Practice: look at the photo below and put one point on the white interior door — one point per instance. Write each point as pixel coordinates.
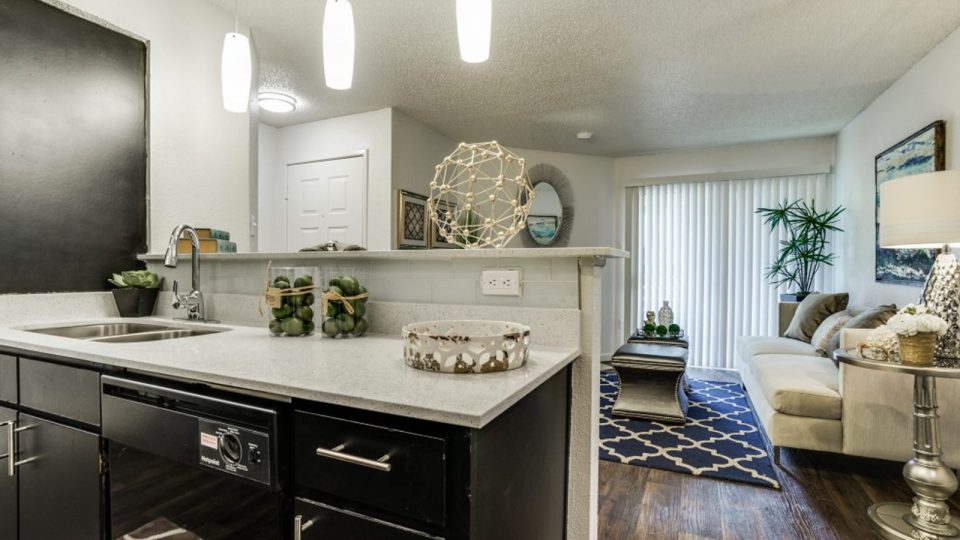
(325, 201)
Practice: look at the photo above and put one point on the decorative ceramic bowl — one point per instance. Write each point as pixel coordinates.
(465, 346)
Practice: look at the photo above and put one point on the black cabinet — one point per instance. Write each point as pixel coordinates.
(8, 378)
(318, 521)
(60, 495)
(8, 483)
(55, 488)
(376, 476)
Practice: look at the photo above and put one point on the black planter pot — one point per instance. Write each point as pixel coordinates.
(794, 297)
(134, 302)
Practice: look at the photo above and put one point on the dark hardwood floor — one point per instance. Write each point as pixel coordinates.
(823, 497)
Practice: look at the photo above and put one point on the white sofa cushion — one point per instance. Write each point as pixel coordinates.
(800, 385)
(748, 346)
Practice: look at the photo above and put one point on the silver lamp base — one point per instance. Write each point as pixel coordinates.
(941, 295)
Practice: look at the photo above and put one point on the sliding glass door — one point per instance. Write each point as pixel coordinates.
(701, 247)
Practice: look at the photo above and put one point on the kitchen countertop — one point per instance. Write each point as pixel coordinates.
(415, 254)
(365, 373)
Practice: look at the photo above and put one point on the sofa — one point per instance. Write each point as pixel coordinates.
(806, 401)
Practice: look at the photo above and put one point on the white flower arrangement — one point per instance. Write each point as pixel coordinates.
(914, 319)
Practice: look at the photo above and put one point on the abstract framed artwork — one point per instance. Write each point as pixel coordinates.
(921, 152)
(413, 223)
(543, 229)
(437, 241)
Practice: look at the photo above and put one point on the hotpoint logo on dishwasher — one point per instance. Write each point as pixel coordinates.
(210, 461)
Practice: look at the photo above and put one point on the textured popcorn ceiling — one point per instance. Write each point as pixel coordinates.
(644, 75)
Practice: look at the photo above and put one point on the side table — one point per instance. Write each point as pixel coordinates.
(933, 483)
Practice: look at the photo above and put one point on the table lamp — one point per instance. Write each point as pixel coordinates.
(923, 211)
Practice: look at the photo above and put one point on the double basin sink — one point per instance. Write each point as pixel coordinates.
(124, 332)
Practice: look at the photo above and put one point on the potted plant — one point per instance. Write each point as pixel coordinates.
(917, 330)
(806, 247)
(136, 292)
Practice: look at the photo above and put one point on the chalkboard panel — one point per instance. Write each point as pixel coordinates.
(73, 156)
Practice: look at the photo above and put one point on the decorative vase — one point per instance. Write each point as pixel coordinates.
(665, 315)
(918, 349)
(135, 302)
(794, 297)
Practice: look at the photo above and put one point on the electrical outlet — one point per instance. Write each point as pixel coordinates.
(501, 282)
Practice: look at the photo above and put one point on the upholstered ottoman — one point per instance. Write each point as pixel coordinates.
(651, 382)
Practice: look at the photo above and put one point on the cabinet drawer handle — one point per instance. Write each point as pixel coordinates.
(382, 464)
(10, 456)
(299, 526)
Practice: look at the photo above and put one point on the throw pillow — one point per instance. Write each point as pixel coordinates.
(812, 311)
(874, 317)
(827, 329)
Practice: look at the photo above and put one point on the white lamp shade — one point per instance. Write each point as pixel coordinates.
(235, 71)
(920, 211)
(338, 44)
(473, 29)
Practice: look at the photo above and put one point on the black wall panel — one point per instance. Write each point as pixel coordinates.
(73, 158)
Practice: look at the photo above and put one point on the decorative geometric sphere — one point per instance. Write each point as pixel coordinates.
(480, 196)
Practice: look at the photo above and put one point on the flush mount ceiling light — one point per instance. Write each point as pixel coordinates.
(473, 29)
(235, 69)
(338, 44)
(585, 135)
(276, 102)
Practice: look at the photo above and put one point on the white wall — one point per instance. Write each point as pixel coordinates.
(726, 162)
(324, 139)
(592, 180)
(199, 154)
(417, 149)
(270, 237)
(929, 91)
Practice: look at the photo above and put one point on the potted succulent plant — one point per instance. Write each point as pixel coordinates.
(136, 292)
(917, 330)
(806, 247)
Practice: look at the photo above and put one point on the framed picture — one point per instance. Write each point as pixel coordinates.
(543, 228)
(413, 224)
(921, 152)
(437, 241)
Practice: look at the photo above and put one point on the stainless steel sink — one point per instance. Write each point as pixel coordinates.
(173, 333)
(124, 332)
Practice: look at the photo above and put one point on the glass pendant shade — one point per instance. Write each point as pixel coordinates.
(235, 72)
(338, 44)
(473, 29)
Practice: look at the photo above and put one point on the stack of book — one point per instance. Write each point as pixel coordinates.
(211, 241)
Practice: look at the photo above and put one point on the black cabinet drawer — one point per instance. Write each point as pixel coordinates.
(325, 449)
(65, 391)
(8, 378)
(319, 521)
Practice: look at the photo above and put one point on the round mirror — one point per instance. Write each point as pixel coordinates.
(546, 214)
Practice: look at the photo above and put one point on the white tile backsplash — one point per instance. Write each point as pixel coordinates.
(547, 282)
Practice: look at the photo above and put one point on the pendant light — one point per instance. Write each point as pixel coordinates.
(235, 69)
(473, 29)
(338, 44)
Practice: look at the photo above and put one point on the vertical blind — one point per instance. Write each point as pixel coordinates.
(702, 247)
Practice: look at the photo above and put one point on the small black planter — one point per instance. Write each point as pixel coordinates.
(135, 302)
(794, 297)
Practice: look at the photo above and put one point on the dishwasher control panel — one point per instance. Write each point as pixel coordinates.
(235, 450)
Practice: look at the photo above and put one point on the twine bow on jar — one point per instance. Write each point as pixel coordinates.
(333, 296)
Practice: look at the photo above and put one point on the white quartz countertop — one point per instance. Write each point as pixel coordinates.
(416, 254)
(365, 373)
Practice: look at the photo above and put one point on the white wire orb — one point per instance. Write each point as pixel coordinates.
(480, 196)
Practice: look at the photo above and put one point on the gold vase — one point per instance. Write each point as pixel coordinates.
(918, 350)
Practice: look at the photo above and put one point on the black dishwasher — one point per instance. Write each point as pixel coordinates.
(188, 462)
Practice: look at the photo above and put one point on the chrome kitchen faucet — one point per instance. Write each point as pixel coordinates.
(194, 300)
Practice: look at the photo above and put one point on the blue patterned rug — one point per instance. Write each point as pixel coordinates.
(719, 440)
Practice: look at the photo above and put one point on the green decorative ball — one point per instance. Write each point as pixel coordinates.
(661, 330)
(649, 329)
(674, 329)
